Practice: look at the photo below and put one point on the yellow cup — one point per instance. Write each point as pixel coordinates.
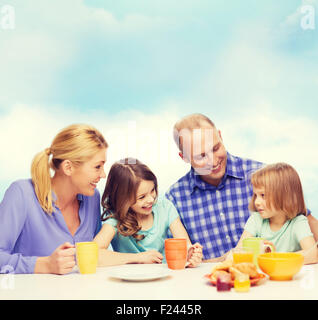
(87, 257)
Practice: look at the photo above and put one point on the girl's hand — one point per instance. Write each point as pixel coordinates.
(62, 260)
(270, 244)
(151, 256)
(194, 255)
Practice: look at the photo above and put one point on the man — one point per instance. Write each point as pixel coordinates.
(212, 198)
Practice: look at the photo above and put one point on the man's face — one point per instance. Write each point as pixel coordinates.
(204, 149)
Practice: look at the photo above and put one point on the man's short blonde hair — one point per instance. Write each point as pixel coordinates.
(190, 123)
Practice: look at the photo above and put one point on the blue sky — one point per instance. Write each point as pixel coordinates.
(247, 64)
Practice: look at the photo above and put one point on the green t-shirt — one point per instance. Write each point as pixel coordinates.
(287, 238)
(164, 213)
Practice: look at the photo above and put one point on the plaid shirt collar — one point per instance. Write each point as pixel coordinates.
(233, 169)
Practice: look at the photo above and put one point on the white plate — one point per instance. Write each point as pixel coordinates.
(138, 272)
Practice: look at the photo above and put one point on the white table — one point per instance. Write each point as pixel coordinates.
(188, 284)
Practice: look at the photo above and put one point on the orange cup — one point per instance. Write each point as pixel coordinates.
(176, 253)
(242, 255)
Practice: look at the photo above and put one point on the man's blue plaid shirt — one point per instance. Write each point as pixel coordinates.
(215, 216)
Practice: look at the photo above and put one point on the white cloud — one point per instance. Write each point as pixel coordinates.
(74, 19)
(243, 79)
(268, 136)
(271, 136)
(257, 64)
(147, 137)
(28, 130)
(30, 65)
(247, 81)
(265, 134)
(49, 37)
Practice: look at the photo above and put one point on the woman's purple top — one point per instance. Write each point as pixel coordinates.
(28, 232)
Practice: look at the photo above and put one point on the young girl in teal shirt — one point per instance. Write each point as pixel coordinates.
(136, 221)
(279, 211)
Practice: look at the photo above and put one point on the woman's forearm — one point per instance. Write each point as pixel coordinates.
(42, 265)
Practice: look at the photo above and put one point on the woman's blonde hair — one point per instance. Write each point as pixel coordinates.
(77, 143)
(283, 190)
(120, 193)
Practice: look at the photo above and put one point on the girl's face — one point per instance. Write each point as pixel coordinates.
(145, 198)
(86, 176)
(260, 203)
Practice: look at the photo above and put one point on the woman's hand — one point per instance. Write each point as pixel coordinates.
(151, 256)
(62, 260)
(194, 255)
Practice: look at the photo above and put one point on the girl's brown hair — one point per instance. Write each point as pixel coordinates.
(77, 143)
(283, 190)
(120, 194)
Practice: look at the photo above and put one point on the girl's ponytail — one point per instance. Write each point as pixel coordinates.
(41, 178)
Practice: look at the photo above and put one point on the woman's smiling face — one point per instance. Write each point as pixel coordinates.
(86, 176)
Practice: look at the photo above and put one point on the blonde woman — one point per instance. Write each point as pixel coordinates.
(42, 218)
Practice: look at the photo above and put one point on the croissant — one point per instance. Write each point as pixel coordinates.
(217, 273)
(225, 265)
(234, 272)
(248, 268)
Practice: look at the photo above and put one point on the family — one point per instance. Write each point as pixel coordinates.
(219, 202)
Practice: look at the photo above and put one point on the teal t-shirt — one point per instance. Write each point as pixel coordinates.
(287, 238)
(164, 213)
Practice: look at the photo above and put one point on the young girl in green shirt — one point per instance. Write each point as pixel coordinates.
(279, 211)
